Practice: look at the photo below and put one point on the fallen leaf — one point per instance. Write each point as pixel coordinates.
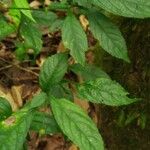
(16, 92)
(6, 93)
(47, 2)
(73, 147)
(84, 22)
(35, 4)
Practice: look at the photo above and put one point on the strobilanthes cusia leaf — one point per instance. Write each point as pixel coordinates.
(53, 70)
(108, 35)
(75, 123)
(104, 91)
(74, 38)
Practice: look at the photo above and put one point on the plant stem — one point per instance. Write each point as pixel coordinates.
(52, 8)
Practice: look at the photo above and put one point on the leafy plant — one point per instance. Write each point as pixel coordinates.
(97, 87)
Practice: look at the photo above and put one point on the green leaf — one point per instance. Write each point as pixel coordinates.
(62, 6)
(53, 70)
(108, 34)
(127, 8)
(82, 2)
(88, 72)
(15, 14)
(44, 123)
(44, 18)
(25, 8)
(37, 101)
(5, 109)
(121, 119)
(20, 52)
(61, 91)
(75, 123)
(31, 34)
(56, 25)
(74, 38)
(105, 91)
(132, 116)
(14, 129)
(143, 120)
(6, 2)
(5, 28)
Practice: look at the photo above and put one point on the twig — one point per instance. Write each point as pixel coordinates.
(27, 70)
(4, 60)
(19, 67)
(34, 68)
(5, 67)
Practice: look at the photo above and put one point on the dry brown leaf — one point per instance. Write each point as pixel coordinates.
(55, 142)
(73, 147)
(90, 57)
(35, 4)
(6, 93)
(41, 60)
(47, 2)
(84, 22)
(61, 47)
(83, 104)
(95, 117)
(44, 30)
(29, 90)
(16, 92)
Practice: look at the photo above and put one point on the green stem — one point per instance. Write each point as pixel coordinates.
(32, 9)
(59, 6)
(52, 7)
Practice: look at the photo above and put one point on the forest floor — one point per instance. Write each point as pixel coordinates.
(128, 128)
(123, 128)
